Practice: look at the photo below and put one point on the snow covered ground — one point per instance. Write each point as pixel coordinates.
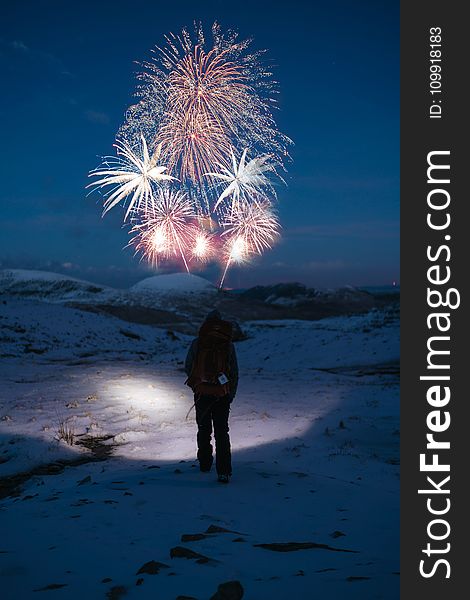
(315, 443)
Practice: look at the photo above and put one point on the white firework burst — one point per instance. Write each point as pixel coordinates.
(246, 181)
(130, 175)
(256, 224)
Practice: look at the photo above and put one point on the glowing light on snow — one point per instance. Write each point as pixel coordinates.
(156, 428)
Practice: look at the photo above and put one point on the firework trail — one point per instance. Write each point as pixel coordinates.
(236, 253)
(191, 147)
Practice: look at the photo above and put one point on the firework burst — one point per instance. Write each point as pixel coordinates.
(249, 230)
(246, 181)
(197, 103)
(197, 153)
(208, 84)
(167, 228)
(203, 246)
(130, 175)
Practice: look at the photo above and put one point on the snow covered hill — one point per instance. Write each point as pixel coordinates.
(50, 287)
(54, 287)
(170, 300)
(175, 283)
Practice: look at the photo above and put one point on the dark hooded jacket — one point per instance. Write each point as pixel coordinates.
(233, 364)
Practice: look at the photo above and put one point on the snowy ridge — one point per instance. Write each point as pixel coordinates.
(297, 294)
(51, 287)
(183, 283)
(55, 287)
(163, 292)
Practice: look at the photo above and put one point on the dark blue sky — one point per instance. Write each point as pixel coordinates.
(68, 74)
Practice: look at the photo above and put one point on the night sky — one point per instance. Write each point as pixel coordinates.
(68, 75)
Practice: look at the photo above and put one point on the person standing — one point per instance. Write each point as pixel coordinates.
(212, 369)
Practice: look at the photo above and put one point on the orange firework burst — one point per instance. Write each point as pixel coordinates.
(209, 84)
(205, 100)
(191, 144)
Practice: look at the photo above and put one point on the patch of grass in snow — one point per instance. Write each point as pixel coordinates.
(66, 432)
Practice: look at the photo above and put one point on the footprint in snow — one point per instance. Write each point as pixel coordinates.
(181, 552)
(82, 502)
(337, 534)
(193, 537)
(295, 546)
(85, 480)
(217, 529)
(116, 592)
(327, 570)
(51, 586)
(230, 589)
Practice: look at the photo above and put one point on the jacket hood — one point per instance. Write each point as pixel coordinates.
(214, 315)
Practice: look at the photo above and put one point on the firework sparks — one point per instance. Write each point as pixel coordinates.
(203, 247)
(167, 228)
(209, 84)
(200, 108)
(130, 174)
(250, 229)
(247, 179)
(197, 103)
(238, 250)
(256, 224)
(205, 95)
(236, 253)
(191, 144)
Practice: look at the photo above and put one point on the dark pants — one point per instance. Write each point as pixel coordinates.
(213, 410)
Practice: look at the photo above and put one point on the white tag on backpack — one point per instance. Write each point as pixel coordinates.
(222, 378)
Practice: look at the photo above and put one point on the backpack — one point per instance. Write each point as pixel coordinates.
(212, 359)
